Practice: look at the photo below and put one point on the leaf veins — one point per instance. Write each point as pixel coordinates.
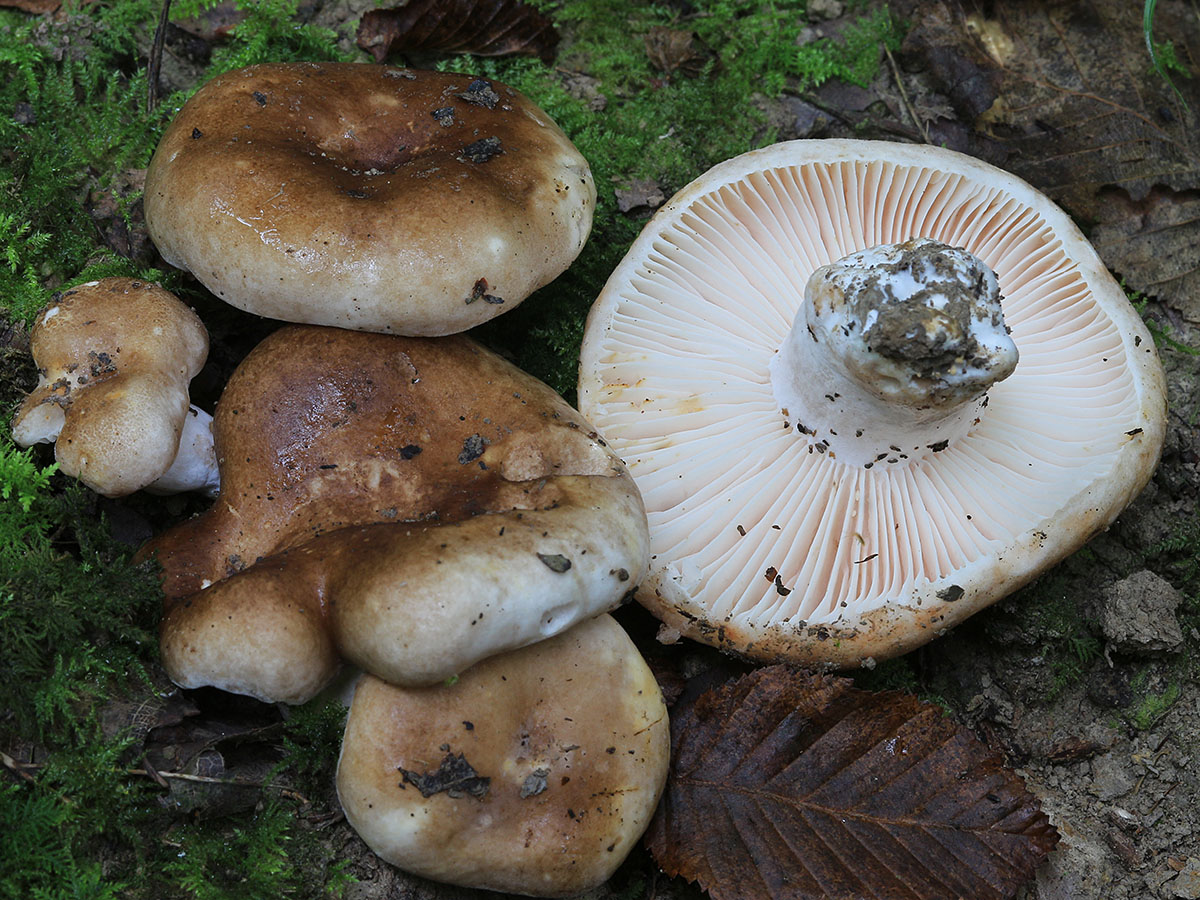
(834, 792)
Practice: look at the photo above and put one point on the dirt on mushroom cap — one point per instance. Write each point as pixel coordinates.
(367, 197)
(536, 772)
(414, 504)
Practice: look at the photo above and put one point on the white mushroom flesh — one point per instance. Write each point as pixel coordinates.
(752, 529)
(195, 464)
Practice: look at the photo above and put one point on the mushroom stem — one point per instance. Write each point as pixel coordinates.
(893, 352)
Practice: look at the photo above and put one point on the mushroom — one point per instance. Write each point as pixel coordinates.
(368, 197)
(114, 360)
(839, 479)
(534, 773)
(412, 504)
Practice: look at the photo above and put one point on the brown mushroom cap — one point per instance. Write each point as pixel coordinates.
(416, 504)
(367, 197)
(534, 773)
(114, 359)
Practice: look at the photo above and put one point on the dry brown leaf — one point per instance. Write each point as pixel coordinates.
(790, 785)
(1066, 96)
(213, 24)
(480, 27)
(672, 51)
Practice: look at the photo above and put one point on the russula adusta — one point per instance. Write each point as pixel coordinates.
(368, 197)
(114, 361)
(534, 773)
(411, 504)
(786, 522)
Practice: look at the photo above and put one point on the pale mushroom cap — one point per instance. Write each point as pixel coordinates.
(414, 504)
(367, 197)
(572, 735)
(764, 547)
(114, 360)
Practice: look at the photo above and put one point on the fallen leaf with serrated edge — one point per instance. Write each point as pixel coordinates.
(790, 785)
(479, 27)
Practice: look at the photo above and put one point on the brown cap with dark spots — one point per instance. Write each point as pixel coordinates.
(367, 197)
(533, 773)
(414, 504)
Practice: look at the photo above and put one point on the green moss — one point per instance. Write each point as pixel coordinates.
(1153, 705)
(36, 856)
(255, 857)
(1159, 330)
(269, 33)
(1162, 54)
(1049, 617)
(77, 619)
(853, 58)
(311, 743)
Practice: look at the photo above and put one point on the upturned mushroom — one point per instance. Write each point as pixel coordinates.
(846, 438)
(414, 505)
(534, 773)
(368, 197)
(114, 361)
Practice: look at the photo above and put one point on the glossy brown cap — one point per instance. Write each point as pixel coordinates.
(414, 504)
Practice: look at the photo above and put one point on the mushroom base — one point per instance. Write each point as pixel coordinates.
(892, 352)
(833, 413)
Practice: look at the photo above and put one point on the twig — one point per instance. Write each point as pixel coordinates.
(236, 782)
(16, 767)
(23, 770)
(154, 65)
(904, 96)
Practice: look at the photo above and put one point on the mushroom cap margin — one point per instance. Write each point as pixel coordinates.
(936, 600)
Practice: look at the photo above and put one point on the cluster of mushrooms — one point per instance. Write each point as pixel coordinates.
(864, 389)
(387, 492)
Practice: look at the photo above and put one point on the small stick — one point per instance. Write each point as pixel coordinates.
(16, 767)
(904, 95)
(206, 779)
(154, 65)
(22, 770)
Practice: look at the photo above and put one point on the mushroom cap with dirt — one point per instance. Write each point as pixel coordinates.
(368, 197)
(414, 505)
(534, 773)
(808, 366)
(114, 361)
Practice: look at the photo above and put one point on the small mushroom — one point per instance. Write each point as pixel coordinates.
(534, 773)
(415, 505)
(114, 361)
(847, 439)
(367, 197)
